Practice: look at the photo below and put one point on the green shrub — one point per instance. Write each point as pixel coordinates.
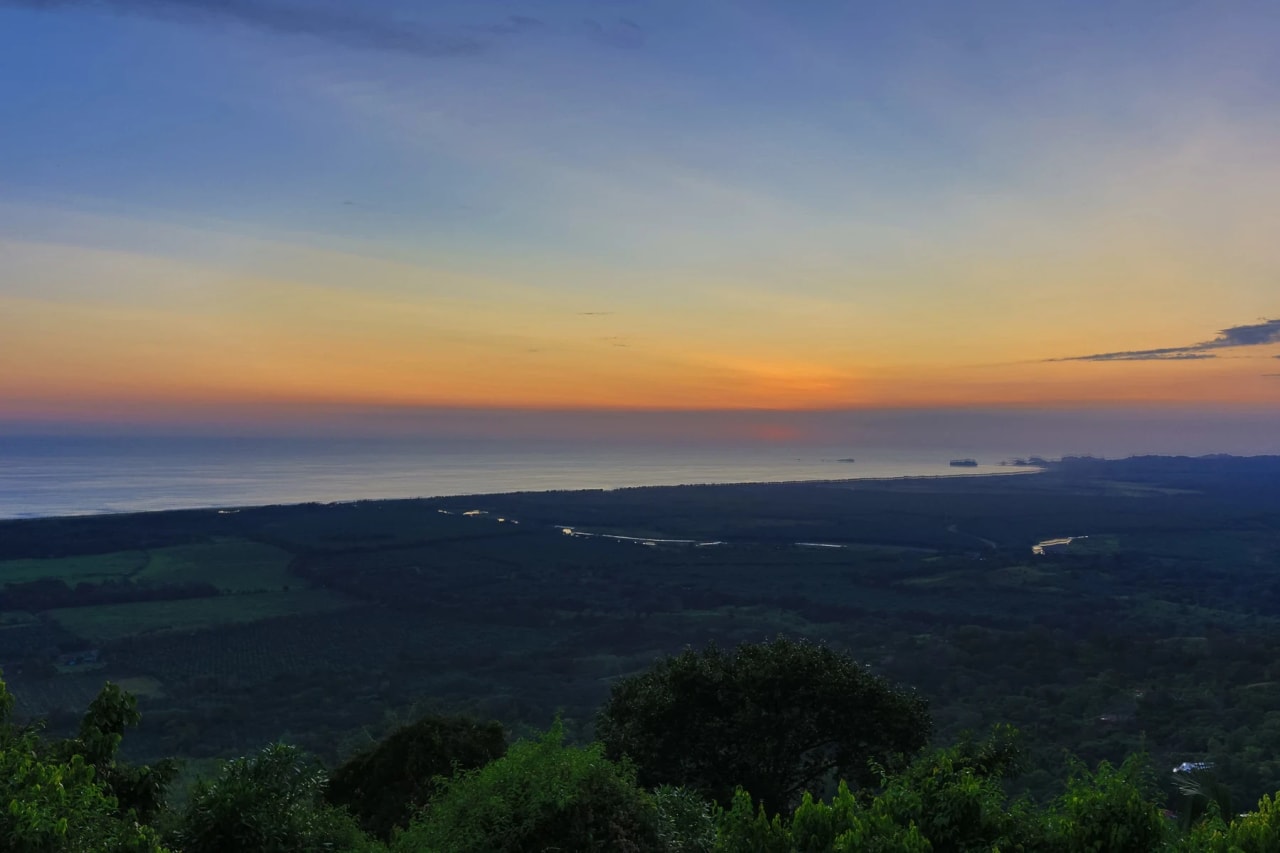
(1108, 810)
(53, 803)
(542, 795)
(266, 803)
(742, 828)
(139, 790)
(1255, 832)
(956, 799)
(841, 826)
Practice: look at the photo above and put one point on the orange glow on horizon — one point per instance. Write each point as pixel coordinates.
(103, 330)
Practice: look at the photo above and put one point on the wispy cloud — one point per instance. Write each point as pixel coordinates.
(350, 29)
(1249, 335)
(623, 33)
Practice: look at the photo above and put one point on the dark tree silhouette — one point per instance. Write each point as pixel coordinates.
(777, 718)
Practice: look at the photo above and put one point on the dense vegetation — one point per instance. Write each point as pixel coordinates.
(329, 626)
(779, 718)
(546, 795)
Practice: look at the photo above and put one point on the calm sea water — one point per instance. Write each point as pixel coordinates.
(78, 476)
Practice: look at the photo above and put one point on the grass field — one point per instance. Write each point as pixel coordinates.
(232, 565)
(73, 570)
(114, 621)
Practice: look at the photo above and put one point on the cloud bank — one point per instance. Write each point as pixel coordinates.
(1250, 335)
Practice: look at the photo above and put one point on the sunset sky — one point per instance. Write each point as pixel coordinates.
(254, 208)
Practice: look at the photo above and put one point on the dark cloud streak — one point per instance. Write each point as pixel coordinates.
(622, 33)
(1249, 335)
(347, 29)
(515, 24)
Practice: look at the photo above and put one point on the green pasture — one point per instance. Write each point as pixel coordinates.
(115, 621)
(232, 565)
(73, 570)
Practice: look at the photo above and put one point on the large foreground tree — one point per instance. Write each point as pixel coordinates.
(776, 718)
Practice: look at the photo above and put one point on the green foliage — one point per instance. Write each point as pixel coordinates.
(1108, 810)
(686, 822)
(841, 826)
(139, 790)
(58, 807)
(946, 800)
(266, 803)
(952, 800)
(777, 718)
(954, 805)
(542, 795)
(1255, 832)
(385, 785)
(52, 804)
(743, 828)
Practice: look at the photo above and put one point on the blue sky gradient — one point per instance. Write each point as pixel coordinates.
(660, 205)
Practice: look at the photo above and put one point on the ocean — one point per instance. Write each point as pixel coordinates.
(51, 476)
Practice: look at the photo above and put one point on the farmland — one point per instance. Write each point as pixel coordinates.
(326, 624)
(108, 622)
(232, 565)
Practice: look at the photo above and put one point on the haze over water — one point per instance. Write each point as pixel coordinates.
(77, 475)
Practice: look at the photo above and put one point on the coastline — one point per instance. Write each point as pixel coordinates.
(231, 508)
(59, 479)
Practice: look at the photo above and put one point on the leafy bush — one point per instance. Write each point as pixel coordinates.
(1110, 809)
(139, 790)
(1255, 832)
(953, 800)
(542, 795)
(53, 803)
(841, 826)
(266, 803)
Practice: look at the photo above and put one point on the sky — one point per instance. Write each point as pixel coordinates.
(263, 213)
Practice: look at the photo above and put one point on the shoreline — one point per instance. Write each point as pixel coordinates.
(229, 508)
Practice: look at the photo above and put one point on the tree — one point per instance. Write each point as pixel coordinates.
(266, 803)
(384, 786)
(139, 790)
(52, 802)
(946, 800)
(1109, 809)
(777, 718)
(541, 796)
(1253, 832)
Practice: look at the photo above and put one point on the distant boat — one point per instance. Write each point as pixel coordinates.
(964, 463)
(847, 459)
